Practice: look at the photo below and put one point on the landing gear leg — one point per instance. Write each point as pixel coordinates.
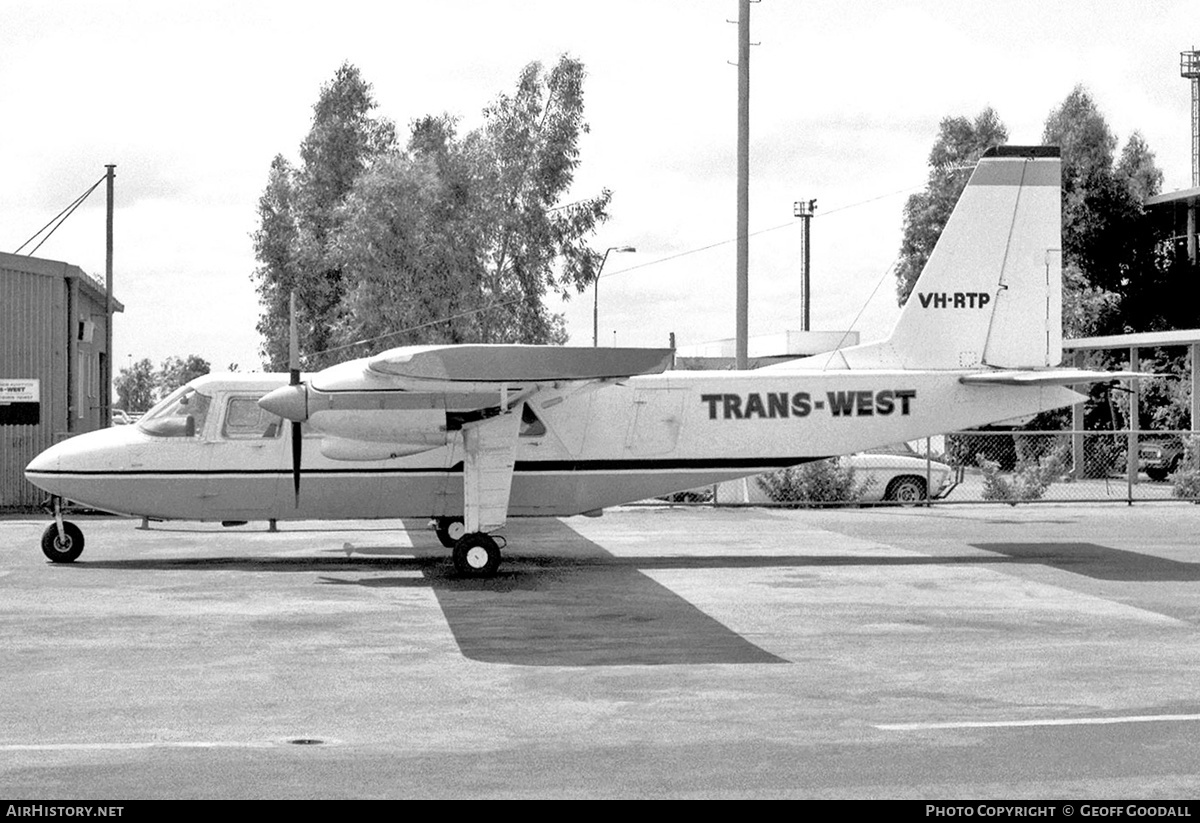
(476, 555)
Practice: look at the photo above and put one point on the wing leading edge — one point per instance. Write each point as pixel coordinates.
(505, 363)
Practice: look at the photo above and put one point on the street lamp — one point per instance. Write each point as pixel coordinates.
(596, 296)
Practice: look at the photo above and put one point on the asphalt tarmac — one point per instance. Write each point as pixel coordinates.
(958, 652)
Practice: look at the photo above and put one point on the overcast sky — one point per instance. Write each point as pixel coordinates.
(191, 102)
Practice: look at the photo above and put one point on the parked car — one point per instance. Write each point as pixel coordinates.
(1160, 457)
(897, 474)
(892, 474)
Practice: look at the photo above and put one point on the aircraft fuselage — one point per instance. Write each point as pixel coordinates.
(583, 449)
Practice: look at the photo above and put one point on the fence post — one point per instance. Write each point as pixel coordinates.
(1131, 458)
(1077, 423)
(928, 472)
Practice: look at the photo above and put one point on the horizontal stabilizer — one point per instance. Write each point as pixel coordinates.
(1049, 377)
(514, 363)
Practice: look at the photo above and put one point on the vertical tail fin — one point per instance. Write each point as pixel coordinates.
(991, 292)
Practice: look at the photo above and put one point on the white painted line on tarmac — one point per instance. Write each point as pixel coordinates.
(1064, 721)
(164, 744)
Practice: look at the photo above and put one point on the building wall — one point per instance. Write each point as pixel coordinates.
(42, 304)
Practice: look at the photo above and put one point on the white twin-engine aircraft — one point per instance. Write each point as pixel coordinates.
(469, 435)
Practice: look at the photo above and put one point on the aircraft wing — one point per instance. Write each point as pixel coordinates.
(505, 363)
(1049, 377)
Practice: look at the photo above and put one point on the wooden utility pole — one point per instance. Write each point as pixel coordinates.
(743, 185)
(106, 373)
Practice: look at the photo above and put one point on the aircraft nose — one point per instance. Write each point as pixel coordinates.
(289, 402)
(47, 461)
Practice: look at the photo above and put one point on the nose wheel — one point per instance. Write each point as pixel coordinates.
(62, 545)
(476, 555)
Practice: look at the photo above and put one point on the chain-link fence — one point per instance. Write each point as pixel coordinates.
(986, 467)
(1024, 466)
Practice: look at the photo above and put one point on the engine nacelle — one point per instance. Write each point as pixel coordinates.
(340, 448)
(379, 434)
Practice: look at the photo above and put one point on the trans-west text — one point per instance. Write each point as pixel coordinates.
(801, 404)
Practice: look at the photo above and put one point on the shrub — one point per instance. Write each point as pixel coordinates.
(1029, 481)
(1186, 478)
(818, 483)
(962, 449)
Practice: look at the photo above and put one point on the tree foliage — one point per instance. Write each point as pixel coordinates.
(958, 147)
(1120, 273)
(140, 385)
(300, 211)
(135, 386)
(1107, 236)
(1116, 274)
(177, 371)
(457, 237)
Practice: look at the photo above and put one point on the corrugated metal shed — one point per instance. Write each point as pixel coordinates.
(52, 331)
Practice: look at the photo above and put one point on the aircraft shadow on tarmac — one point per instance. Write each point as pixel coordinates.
(1098, 562)
(563, 600)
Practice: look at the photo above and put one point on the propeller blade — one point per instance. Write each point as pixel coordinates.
(297, 442)
(293, 342)
(294, 380)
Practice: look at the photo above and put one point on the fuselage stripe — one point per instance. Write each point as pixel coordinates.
(521, 467)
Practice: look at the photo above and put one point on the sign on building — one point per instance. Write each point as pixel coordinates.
(20, 402)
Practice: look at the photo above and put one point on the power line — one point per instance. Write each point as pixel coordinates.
(64, 214)
(789, 224)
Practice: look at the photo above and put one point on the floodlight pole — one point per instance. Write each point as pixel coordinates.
(804, 210)
(1189, 69)
(596, 292)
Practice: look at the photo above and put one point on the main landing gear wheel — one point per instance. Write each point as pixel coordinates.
(62, 549)
(450, 530)
(476, 555)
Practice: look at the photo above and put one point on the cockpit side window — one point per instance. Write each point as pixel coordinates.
(245, 420)
(180, 414)
(531, 424)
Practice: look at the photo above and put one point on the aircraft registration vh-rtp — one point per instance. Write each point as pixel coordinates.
(470, 435)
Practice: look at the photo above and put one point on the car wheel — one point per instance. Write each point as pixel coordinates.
(907, 491)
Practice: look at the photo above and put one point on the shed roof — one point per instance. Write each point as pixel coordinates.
(57, 268)
(1141, 340)
(1183, 197)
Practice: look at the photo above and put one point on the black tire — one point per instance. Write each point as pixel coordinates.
(449, 531)
(1158, 475)
(66, 548)
(476, 555)
(907, 490)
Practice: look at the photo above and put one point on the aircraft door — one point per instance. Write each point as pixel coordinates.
(657, 419)
(247, 451)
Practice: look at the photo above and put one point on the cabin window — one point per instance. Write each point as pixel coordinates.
(181, 414)
(245, 420)
(531, 424)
